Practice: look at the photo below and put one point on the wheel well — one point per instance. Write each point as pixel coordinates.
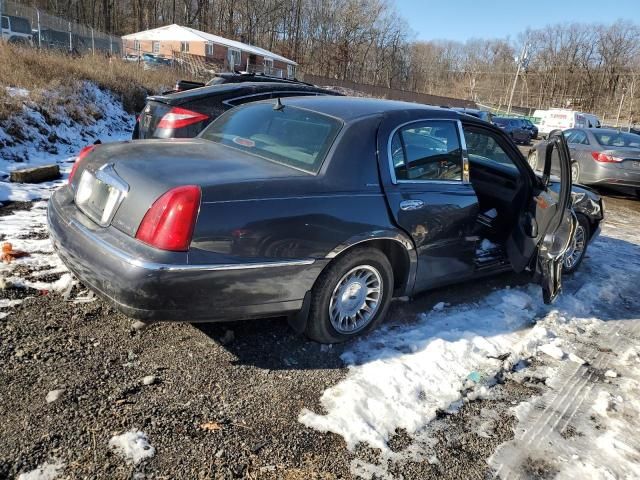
(397, 255)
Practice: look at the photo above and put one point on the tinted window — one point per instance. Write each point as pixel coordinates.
(483, 147)
(290, 136)
(20, 25)
(5, 22)
(500, 121)
(617, 139)
(427, 151)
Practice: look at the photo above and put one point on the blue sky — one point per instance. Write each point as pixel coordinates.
(465, 19)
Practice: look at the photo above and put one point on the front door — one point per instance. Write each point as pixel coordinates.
(546, 225)
(425, 178)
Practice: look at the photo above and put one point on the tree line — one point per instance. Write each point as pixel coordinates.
(591, 67)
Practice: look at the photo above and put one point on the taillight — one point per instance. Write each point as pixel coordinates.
(81, 156)
(169, 223)
(604, 158)
(181, 117)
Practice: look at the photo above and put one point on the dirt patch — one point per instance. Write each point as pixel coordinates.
(9, 207)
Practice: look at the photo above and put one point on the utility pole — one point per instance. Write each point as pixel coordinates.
(620, 106)
(521, 63)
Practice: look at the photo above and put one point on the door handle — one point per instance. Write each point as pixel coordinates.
(411, 205)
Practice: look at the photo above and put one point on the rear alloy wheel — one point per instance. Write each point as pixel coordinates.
(575, 172)
(533, 159)
(576, 252)
(351, 296)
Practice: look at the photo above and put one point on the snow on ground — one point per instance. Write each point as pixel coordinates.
(46, 471)
(26, 229)
(133, 446)
(31, 138)
(403, 374)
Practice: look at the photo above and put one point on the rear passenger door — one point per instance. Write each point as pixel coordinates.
(424, 171)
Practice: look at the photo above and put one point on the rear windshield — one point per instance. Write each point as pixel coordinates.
(500, 121)
(289, 136)
(617, 139)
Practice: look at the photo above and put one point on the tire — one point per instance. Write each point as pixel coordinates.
(532, 159)
(321, 323)
(575, 172)
(572, 262)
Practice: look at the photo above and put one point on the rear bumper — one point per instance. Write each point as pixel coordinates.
(612, 174)
(152, 289)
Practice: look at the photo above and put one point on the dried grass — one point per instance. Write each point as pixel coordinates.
(43, 71)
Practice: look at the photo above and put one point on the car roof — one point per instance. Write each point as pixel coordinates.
(223, 88)
(349, 108)
(239, 77)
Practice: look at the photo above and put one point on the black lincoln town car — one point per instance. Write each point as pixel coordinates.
(319, 208)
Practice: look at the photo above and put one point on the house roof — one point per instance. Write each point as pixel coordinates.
(185, 34)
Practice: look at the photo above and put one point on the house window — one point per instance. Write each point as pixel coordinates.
(155, 47)
(234, 57)
(291, 71)
(184, 47)
(209, 49)
(268, 65)
(136, 45)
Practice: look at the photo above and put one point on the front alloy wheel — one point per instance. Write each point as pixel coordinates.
(533, 160)
(575, 254)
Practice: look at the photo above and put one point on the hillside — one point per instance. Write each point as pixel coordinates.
(52, 104)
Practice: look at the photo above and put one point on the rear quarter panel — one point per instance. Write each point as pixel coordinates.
(299, 217)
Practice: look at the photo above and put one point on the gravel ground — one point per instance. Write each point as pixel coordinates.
(223, 401)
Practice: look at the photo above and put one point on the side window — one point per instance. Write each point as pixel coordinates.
(427, 150)
(578, 137)
(483, 147)
(568, 135)
(5, 23)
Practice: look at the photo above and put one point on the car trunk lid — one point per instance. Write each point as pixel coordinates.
(630, 158)
(142, 171)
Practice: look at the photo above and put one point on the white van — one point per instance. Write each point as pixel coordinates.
(561, 119)
(16, 30)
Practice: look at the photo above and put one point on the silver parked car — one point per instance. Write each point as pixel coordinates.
(599, 156)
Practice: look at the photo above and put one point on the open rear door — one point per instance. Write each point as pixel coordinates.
(546, 227)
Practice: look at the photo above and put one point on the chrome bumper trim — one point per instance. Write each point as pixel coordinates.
(166, 267)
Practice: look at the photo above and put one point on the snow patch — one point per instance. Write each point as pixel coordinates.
(553, 350)
(46, 471)
(57, 138)
(133, 446)
(400, 377)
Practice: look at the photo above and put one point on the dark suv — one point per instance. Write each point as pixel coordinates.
(514, 127)
(235, 77)
(185, 114)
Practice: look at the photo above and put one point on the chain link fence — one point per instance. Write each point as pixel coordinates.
(26, 25)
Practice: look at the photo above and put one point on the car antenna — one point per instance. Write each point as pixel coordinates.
(278, 105)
